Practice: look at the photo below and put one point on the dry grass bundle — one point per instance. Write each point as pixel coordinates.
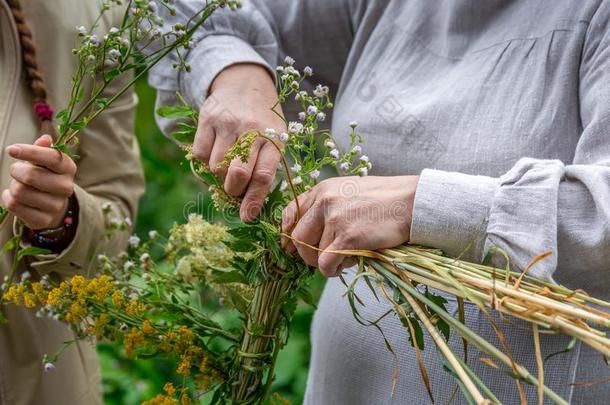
(548, 307)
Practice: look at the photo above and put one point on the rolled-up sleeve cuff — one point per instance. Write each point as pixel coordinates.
(213, 54)
(451, 212)
(76, 256)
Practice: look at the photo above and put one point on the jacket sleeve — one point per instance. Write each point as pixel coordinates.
(539, 206)
(314, 32)
(109, 171)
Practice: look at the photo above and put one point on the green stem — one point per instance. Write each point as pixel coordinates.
(464, 331)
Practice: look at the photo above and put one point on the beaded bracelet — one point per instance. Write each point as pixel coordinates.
(57, 239)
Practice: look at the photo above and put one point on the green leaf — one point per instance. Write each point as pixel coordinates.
(174, 112)
(10, 244)
(187, 137)
(102, 102)
(111, 74)
(441, 325)
(238, 301)
(77, 125)
(224, 277)
(32, 251)
(419, 333)
(305, 295)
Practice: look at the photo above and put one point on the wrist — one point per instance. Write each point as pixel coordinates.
(409, 188)
(242, 74)
(59, 238)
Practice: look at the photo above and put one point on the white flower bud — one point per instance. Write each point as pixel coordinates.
(312, 109)
(283, 185)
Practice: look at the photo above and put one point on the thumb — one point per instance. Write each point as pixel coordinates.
(46, 141)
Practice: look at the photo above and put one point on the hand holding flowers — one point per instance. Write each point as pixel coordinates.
(239, 102)
(43, 181)
(350, 213)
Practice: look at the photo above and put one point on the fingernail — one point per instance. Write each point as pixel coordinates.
(13, 150)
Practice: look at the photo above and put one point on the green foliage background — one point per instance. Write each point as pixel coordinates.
(172, 193)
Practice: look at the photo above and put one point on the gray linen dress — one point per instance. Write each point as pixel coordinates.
(502, 107)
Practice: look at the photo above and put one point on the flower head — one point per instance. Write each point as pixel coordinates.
(312, 109)
(308, 71)
(283, 185)
(133, 241)
(344, 166)
(320, 91)
(284, 137)
(48, 367)
(295, 127)
(335, 153)
(357, 149)
(289, 61)
(114, 54)
(270, 132)
(314, 174)
(94, 40)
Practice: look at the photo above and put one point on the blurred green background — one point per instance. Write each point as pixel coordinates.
(170, 191)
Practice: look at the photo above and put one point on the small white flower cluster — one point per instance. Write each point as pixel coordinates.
(301, 135)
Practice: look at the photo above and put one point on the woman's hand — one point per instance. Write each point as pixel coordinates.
(43, 181)
(240, 100)
(348, 213)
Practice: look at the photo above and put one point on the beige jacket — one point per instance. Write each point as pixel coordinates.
(109, 171)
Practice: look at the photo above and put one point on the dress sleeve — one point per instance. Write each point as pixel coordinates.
(314, 32)
(539, 206)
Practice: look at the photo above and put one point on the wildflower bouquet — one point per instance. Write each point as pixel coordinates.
(150, 297)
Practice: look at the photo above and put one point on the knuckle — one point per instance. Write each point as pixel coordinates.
(239, 173)
(70, 166)
(15, 169)
(227, 120)
(11, 203)
(328, 200)
(200, 152)
(17, 189)
(263, 177)
(56, 205)
(29, 176)
(251, 124)
(334, 218)
(67, 189)
(41, 223)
